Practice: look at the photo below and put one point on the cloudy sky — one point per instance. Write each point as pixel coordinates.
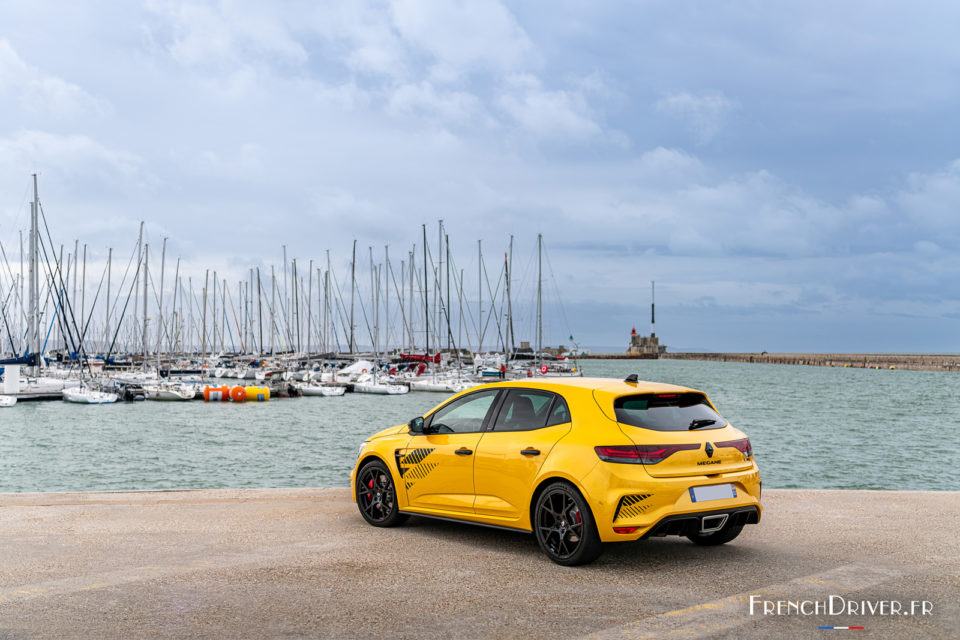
(788, 173)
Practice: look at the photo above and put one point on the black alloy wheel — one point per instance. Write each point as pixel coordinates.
(377, 496)
(564, 526)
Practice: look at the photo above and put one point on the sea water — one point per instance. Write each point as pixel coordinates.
(811, 427)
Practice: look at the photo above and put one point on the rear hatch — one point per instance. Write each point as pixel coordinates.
(678, 433)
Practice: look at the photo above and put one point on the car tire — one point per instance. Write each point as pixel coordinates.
(564, 526)
(723, 536)
(377, 496)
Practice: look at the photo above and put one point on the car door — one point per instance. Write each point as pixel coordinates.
(510, 453)
(437, 468)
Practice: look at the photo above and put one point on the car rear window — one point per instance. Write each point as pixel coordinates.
(667, 412)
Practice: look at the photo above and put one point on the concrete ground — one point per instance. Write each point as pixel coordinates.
(302, 563)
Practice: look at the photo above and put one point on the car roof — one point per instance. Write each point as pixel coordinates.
(612, 386)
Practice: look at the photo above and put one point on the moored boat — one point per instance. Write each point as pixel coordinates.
(86, 395)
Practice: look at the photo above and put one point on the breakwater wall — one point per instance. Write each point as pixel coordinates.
(913, 361)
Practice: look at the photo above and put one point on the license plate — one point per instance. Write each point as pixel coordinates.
(713, 492)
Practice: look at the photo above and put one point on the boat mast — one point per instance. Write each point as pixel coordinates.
(309, 308)
(426, 294)
(327, 347)
(373, 310)
(260, 310)
(106, 321)
(386, 300)
(173, 337)
(479, 296)
(273, 306)
(539, 298)
(353, 287)
(83, 293)
(449, 302)
(508, 272)
(413, 271)
(295, 303)
(146, 259)
(33, 318)
(203, 339)
(160, 323)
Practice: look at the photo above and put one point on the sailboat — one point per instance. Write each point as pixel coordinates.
(170, 391)
(315, 389)
(88, 395)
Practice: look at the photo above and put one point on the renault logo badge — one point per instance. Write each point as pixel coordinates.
(709, 450)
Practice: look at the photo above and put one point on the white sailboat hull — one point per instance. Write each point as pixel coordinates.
(382, 389)
(86, 396)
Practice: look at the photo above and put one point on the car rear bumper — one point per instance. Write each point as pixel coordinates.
(688, 524)
(628, 504)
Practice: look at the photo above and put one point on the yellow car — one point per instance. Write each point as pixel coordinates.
(576, 461)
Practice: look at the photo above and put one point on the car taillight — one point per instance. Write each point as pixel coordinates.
(625, 529)
(642, 453)
(743, 446)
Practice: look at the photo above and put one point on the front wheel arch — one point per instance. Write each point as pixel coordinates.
(374, 457)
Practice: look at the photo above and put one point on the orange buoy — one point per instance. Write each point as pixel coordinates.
(216, 394)
(238, 394)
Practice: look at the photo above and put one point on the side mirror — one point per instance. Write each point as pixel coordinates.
(416, 425)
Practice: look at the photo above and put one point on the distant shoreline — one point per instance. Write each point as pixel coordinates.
(910, 361)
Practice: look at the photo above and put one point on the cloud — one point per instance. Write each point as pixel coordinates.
(464, 37)
(454, 107)
(705, 115)
(556, 115)
(75, 155)
(40, 92)
(211, 35)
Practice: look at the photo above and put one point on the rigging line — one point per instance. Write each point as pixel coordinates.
(556, 290)
(86, 324)
(493, 307)
(63, 287)
(3, 310)
(10, 271)
(276, 328)
(133, 284)
(460, 296)
(341, 309)
(123, 280)
(235, 321)
(58, 316)
(396, 290)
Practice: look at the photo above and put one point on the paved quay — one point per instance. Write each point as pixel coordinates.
(291, 563)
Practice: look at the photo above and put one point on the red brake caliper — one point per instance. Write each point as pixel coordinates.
(370, 486)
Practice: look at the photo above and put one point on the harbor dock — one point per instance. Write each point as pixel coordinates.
(302, 563)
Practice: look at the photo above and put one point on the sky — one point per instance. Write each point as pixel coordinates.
(788, 173)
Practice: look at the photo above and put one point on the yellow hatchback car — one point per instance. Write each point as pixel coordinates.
(576, 461)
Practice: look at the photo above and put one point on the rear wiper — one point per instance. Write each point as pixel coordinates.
(696, 424)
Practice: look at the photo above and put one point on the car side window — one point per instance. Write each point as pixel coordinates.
(559, 414)
(523, 410)
(464, 415)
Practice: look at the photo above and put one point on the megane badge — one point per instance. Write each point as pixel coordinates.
(709, 450)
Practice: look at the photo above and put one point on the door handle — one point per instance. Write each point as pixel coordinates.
(464, 452)
(530, 452)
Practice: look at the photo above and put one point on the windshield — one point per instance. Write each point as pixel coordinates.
(667, 412)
